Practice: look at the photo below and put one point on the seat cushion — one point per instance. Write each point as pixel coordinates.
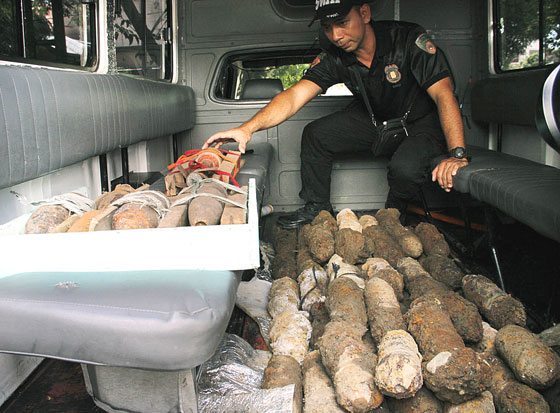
(483, 160)
(170, 320)
(523, 189)
(528, 193)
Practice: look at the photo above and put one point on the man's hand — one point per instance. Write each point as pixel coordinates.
(446, 170)
(280, 108)
(452, 124)
(239, 135)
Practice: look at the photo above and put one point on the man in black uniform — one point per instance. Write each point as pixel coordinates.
(398, 75)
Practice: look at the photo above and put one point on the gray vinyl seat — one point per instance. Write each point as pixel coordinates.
(64, 117)
(139, 335)
(153, 320)
(484, 160)
(523, 189)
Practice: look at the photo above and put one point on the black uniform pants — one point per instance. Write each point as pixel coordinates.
(351, 131)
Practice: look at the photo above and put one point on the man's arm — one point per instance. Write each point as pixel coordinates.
(279, 109)
(452, 124)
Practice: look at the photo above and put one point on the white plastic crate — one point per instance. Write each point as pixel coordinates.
(217, 247)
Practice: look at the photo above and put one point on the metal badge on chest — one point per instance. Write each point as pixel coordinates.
(392, 73)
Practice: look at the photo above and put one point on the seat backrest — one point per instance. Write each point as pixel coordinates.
(261, 88)
(504, 99)
(54, 118)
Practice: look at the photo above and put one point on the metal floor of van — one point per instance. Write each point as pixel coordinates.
(54, 387)
(530, 266)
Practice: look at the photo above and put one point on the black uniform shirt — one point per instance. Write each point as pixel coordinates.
(406, 63)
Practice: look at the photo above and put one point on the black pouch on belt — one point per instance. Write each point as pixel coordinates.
(391, 134)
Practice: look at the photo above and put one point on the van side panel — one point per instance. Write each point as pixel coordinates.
(460, 35)
(510, 100)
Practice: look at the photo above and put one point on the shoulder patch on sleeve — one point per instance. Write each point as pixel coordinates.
(318, 59)
(426, 44)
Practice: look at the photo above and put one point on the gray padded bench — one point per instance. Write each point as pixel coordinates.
(523, 189)
(138, 334)
(53, 118)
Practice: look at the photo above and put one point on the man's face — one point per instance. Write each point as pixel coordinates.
(348, 31)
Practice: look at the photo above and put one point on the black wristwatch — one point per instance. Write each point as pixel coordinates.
(458, 152)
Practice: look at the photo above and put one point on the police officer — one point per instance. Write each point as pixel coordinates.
(398, 76)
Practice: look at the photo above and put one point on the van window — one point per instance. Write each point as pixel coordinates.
(289, 67)
(143, 38)
(527, 34)
(48, 32)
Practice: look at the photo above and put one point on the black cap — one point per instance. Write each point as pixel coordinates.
(333, 9)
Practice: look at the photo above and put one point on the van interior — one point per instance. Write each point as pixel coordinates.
(96, 94)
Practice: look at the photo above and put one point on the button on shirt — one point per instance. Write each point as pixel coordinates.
(403, 67)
